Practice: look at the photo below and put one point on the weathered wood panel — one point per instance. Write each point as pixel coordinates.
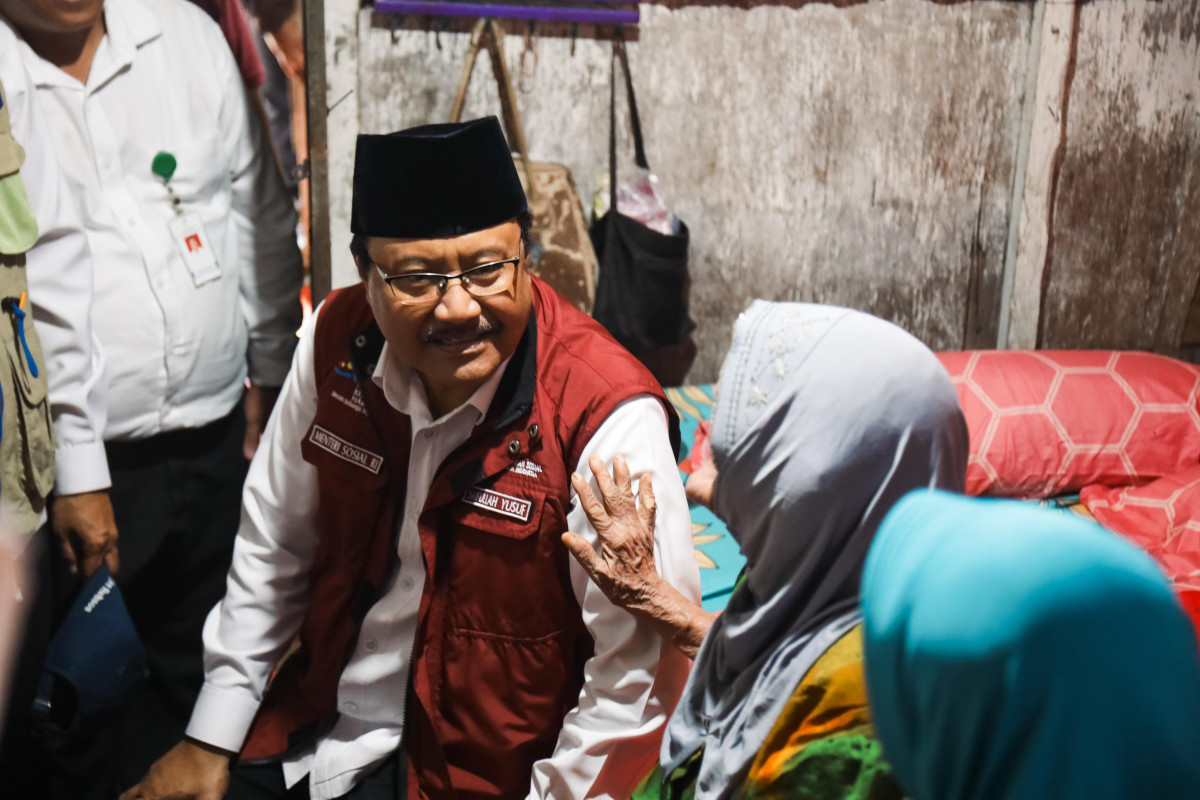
(1124, 259)
(859, 155)
(1048, 78)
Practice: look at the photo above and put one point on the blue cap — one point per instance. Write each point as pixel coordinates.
(95, 661)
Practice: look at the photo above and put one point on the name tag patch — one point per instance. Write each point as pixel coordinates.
(335, 444)
(503, 504)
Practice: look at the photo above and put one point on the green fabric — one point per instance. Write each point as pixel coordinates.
(843, 768)
(680, 786)
(18, 226)
(839, 768)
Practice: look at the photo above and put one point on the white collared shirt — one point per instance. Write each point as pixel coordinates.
(632, 681)
(163, 79)
(59, 273)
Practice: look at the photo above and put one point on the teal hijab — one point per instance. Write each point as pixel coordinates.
(1017, 654)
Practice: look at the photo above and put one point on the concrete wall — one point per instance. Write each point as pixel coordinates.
(865, 154)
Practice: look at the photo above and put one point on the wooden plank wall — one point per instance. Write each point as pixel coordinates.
(869, 154)
(1125, 242)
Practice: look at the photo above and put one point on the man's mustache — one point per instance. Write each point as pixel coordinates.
(459, 334)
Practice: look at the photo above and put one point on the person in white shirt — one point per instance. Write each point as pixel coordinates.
(404, 516)
(196, 290)
(58, 267)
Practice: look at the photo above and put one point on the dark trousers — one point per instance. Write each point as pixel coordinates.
(265, 782)
(177, 501)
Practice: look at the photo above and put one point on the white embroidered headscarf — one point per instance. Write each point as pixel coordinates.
(826, 417)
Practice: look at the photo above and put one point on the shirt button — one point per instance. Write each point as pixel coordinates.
(407, 583)
(131, 221)
(370, 645)
(349, 707)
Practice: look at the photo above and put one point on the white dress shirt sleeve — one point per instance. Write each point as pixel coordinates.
(271, 271)
(249, 631)
(59, 272)
(610, 740)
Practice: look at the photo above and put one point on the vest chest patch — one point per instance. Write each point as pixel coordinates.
(354, 401)
(527, 468)
(504, 504)
(346, 451)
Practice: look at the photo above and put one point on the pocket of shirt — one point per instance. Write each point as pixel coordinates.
(201, 180)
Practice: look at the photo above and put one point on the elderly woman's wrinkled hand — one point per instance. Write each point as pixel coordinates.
(622, 564)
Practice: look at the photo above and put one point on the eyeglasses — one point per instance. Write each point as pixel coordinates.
(426, 288)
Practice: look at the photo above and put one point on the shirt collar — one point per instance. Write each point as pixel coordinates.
(406, 393)
(129, 24)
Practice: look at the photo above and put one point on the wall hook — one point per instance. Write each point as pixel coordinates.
(529, 59)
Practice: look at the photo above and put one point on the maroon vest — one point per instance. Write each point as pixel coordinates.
(500, 647)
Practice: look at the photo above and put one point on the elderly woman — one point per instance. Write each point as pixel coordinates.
(826, 418)
(1014, 654)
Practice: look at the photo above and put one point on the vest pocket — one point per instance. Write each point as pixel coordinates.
(505, 577)
(26, 440)
(503, 700)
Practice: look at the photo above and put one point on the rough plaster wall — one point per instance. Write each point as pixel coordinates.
(1124, 261)
(860, 155)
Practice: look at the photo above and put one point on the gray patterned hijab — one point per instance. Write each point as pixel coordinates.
(826, 417)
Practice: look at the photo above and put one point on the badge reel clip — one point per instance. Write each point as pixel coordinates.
(186, 228)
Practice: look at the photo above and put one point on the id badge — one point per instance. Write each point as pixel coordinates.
(196, 248)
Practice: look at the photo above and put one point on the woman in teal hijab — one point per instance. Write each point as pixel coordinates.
(1015, 654)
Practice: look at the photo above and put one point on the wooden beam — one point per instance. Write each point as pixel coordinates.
(318, 149)
(1029, 247)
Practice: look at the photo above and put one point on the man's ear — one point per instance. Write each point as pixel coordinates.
(360, 266)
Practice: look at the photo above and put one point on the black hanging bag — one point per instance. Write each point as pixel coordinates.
(642, 292)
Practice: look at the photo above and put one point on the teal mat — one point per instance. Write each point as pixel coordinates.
(717, 553)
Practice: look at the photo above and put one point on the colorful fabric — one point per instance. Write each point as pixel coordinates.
(822, 747)
(1015, 654)
(827, 416)
(717, 553)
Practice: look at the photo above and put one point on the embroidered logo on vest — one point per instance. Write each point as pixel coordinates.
(527, 468)
(503, 504)
(354, 402)
(344, 450)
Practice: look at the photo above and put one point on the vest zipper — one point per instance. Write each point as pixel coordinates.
(409, 697)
